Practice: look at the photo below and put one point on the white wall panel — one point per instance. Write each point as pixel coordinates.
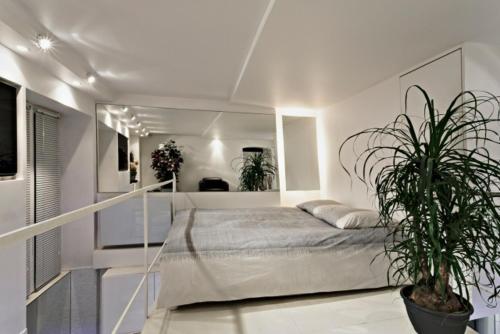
(117, 287)
(122, 224)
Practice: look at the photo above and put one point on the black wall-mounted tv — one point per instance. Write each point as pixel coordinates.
(122, 152)
(8, 130)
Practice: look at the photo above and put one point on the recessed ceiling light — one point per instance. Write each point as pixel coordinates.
(91, 78)
(77, 83)
(143, 130)
(124, 109)
(44, 42)
(139, 123)
(22, 48)
(133, 118)
(136, 131)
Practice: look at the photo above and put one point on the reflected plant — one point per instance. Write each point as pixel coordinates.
(256, 172)
(166, 160)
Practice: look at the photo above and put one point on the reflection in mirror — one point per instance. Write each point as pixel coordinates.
(301, 153)
(113, 174)
(207, 150)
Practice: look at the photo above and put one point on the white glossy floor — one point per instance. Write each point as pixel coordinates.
(373, 312)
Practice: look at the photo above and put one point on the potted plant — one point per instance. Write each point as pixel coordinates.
(256, 172)
(167, 160)
(438, 179)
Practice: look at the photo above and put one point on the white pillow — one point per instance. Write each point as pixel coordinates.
(332, 213)
(359, 219)
(311, 205)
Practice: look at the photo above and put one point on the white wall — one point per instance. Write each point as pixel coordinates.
(482, 72)
(225, 200)
(441, 78)
(12, 259)
(12, 207)
(375, 106)
(482, 67)
(203, 157)
(78, 157)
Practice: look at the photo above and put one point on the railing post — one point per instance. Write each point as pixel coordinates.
(146, 242)
(174, 190)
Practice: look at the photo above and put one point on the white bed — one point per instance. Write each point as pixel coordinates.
(233, 254)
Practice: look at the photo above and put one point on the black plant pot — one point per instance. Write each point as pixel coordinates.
(426, 321)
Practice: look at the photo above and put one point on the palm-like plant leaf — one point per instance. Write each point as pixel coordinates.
(440, 179)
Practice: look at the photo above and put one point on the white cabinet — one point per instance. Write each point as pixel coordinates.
(123, 223)
(117, 287)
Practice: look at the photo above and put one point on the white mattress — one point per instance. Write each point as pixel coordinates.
(232, 254)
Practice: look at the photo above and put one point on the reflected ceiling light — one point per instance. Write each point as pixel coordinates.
(124, 109)
(44, 42)
(76, 83)
(91, 78)
(22, 48)
(216, 146)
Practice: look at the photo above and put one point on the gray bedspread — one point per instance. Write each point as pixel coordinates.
(204, 232)
(232, 254)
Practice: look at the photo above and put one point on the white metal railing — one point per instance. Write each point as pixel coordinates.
(27, 232)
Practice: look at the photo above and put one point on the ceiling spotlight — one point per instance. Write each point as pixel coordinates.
(143, 130)
(139, 123)
(22, 48)
(124, 109)
(44, 42)
(91, 78)
(136, 131)
(133, 118)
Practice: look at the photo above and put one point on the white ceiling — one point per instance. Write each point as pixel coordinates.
(186, 48)
(315, 53)
(309, 53)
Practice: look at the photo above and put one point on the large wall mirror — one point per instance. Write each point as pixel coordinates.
(301, 153)
(208, 150)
